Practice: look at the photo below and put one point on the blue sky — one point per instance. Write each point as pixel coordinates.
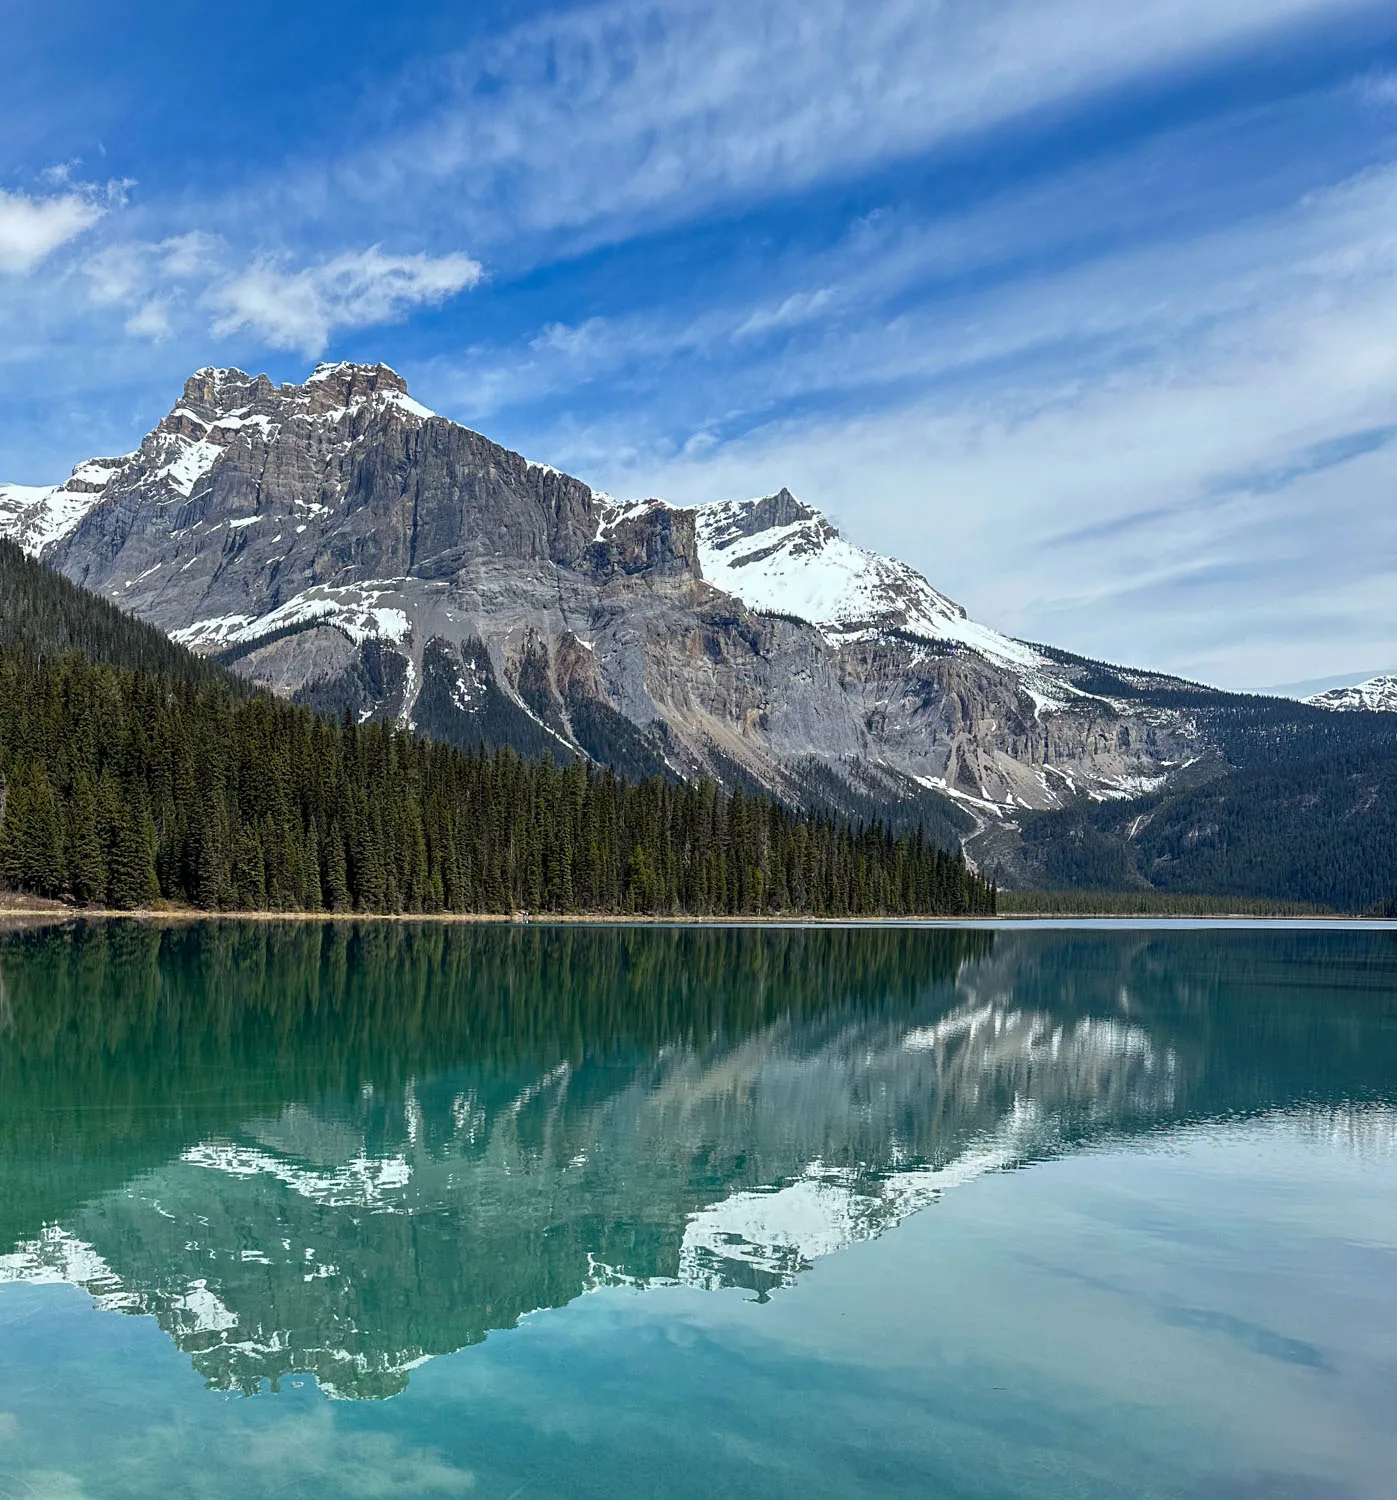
(1087, 310)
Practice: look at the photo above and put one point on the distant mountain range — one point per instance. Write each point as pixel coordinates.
(1377, 695)
(339, 543)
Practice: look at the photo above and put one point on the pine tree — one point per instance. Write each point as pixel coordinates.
(335, 879)
(250, 871)
(129, 857)
(87, 869)
(210, 868)
(31, 839)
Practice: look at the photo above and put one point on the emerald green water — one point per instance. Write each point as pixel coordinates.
(292, 1210)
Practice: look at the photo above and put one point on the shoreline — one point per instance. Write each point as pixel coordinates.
(506, 919)
(49, 914)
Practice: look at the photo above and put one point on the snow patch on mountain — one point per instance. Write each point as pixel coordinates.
(1377, 695)
(36, 516)
(615, 513)
(354, 610)
(383, 387)
(188, 461)
(398, 400)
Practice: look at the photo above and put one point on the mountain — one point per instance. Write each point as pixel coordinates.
(1377, 695)
(785, 558)
(339, 543)
(1321, 831)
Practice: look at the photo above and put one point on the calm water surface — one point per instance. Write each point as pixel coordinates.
(418, 1211)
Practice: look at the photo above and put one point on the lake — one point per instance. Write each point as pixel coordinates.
(293, 1209)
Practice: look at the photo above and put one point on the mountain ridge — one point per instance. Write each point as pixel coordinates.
(1376, 695)
(338, 542)
(399, 527)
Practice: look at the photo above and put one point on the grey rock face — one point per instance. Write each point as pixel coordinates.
(291, 527)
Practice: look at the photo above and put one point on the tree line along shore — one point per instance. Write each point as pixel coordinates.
(134, 773)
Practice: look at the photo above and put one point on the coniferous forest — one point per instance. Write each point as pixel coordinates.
(146, 775)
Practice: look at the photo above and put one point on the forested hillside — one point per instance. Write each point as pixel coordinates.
(1313, 827)
(123, 787)
(44, 614)
(1297, 804)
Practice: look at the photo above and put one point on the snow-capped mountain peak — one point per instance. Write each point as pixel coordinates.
(218, 407)
(227, 400)
(1377, 695)
(782, 556)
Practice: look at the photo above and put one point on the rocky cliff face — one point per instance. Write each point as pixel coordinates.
(337, 541)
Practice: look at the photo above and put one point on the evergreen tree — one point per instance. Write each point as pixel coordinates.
(335, 880)
(31, 838)
(87, 869)
(250, 871)
(127, 846)
(210, 881)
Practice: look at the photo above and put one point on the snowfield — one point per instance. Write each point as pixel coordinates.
(355, 610)
(803, 567)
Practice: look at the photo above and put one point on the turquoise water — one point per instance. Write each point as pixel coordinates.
(292, 1210)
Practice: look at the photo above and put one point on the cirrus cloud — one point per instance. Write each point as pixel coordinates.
(670, 108)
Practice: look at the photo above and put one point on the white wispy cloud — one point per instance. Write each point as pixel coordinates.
(1071, 269)
(32, 227)
(150, 321)
(194, 278)
(1193, 477)
(129, 271)
(300, 309)
(155, 283)
(617, 117)
(1379, 88)
(790, 312)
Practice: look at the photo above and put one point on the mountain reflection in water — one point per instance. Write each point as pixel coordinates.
(345, 1150)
